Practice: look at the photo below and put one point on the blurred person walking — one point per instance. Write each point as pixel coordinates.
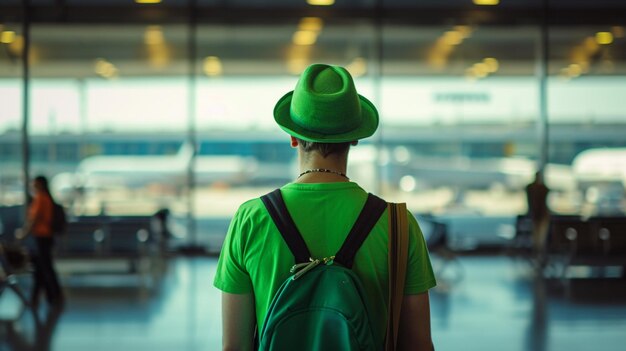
(539, 213)
(39, 224)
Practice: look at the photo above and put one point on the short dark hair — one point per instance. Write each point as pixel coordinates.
(325, 149)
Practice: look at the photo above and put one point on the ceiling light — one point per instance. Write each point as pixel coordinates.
(452, 38)
(314, 24)
(154, 35)
(437, 61)
(297, 65)
(295, 51)
(492, 64)
(442, 48)
(7, 37)
(101, 65)
(111, 72)
(148, 1)
(105, 68)
(212, 66)
(604, 38)
(159, 60)
(158, 55)
(574, 70)
(304, 37)
(486, 2)
(465, 31)
(320, 2)
(481, 70)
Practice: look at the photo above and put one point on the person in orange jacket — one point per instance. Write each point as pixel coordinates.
(39, 224)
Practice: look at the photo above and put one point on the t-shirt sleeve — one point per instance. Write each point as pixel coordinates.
(231, 275)
(419, 276)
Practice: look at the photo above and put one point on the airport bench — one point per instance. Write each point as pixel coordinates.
(94, 243)
(84, 239)
(593, 242)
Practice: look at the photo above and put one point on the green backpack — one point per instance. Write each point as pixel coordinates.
(323, 305)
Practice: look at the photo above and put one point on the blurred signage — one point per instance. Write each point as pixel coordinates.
(461, 97)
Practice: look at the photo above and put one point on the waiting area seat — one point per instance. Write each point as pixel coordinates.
(81, 239)
(594, 241)
(96, 240)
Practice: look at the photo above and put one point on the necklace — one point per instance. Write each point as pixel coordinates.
(323, 170)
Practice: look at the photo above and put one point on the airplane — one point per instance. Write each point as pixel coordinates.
(128, 172)
(413, 172)
(600, 165)
(601, 177)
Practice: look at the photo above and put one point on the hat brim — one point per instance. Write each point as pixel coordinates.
(369, 115)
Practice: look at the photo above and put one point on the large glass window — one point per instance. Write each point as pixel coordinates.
(459, 110)
(588, 119)
(118, 109)
(11, 97)
(109, 116)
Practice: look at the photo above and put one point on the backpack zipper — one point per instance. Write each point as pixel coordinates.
(302, 268)
(298, 266)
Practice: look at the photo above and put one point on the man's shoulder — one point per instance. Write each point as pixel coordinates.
(251, 206)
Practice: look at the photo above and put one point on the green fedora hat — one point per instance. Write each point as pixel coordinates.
(325, 107)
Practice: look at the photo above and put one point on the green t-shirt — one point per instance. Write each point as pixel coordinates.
(255, 258)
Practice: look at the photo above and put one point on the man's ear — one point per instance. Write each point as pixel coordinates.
(294, 142)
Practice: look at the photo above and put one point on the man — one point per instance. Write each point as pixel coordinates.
(324, 116)
(39, 224)
(539, 213)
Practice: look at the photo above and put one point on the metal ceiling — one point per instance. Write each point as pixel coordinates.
(253, 37)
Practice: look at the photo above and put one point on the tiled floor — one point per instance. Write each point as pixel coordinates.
(484, 303)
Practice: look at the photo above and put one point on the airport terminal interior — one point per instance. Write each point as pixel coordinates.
(153, 121)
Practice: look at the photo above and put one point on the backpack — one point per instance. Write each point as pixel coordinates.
(323, 305)
(59, 220)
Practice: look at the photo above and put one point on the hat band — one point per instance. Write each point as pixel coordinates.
(326, 122)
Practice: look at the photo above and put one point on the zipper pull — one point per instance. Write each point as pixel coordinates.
(307, 267)
(298, 266)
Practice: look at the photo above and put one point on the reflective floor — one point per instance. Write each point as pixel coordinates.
(481, 303)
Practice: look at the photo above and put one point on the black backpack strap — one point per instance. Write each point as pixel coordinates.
(371, 212)
(278, 211)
